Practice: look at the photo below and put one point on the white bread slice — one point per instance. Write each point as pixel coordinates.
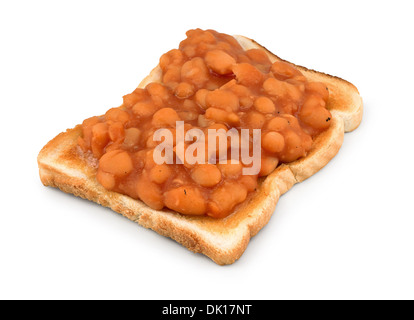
(62, 165)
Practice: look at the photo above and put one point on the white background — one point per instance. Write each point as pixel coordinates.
(346, 233)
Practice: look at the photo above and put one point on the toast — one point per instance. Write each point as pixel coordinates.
(224, 240)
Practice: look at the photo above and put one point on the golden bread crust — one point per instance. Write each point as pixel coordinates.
(62, 165)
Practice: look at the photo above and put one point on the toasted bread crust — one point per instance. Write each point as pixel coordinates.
(62, 165)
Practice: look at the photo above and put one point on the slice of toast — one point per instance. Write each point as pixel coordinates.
(62, 165)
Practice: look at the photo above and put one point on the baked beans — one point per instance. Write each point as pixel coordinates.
(209, 82)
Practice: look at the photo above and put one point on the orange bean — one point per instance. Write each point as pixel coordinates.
(294, 92)
(292, 121)
(219, 115)
(131, 99)
(224, 198)
(219, 61)
(195, 71)
(132, 136)
(117, 115)
(149, 159)
(258, 56)
(141, 93)
(255, 120)
(249, 182)
(184, 90)
(318, 88)
(268, 165)
(319, 119)
(187, 115)
(264, 105)
(312, 102)
(200, 98)
(116, 162)
(150, 143)
(294, 147)
(158, 91)
(90, 121)
(240, 90)
(173, 74)
(246, 103)
(242, 58)
(189, 51)
(165, 117)
(273, 142)
(186, 199)
(206, 175)
(107, 180)
(282, 89)
(314, 113)
(222, 99)
(293, 141)
(274, 87)
(216, 114)
(144, 109)
(116, 131)
(87, 126)
(283, 70)
(223, 46)
(290, 108)
(277, 124)
(172, 57)
(230, 168)
(231, 41)
(149, 192)
(307, 142)
(207, 37)
(203, 122)
(248, 75)
(190, 105)
(160, 173)
(100, 134)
